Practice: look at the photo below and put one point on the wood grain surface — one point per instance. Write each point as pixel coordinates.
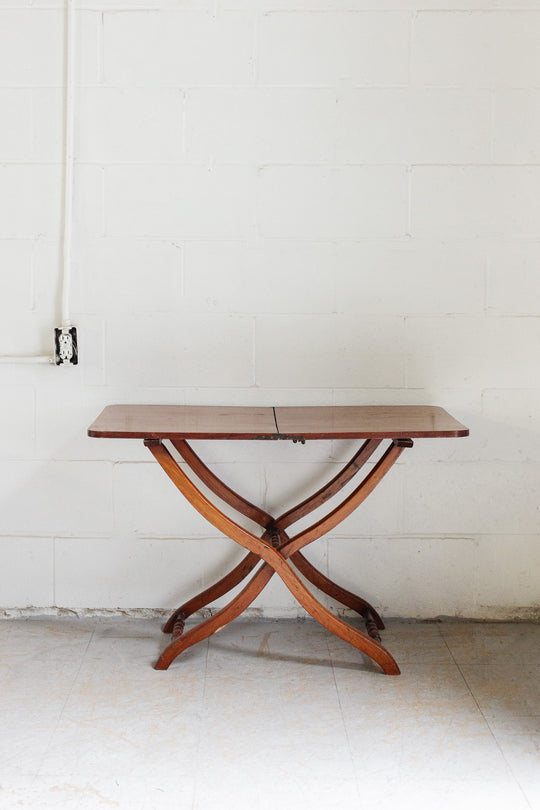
(298, 423)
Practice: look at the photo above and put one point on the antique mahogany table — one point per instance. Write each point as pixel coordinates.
(275, 549)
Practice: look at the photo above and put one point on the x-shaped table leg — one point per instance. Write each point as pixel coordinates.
(275, 548)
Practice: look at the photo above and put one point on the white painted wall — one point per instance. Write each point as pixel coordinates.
(276, 202)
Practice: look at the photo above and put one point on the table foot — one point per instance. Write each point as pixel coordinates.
(367, 645)
(371, 626)
(178, 626)
(218, 621)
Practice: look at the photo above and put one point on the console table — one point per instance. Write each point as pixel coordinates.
(275, 550)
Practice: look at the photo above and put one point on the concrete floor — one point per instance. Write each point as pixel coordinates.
(268, 715)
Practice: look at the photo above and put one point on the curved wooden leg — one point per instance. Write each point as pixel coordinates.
(218, 620)
(331, 488)
(361, 641)
(274, 533)
(330, 588)
(276, 558)
(217, 486)
(334, 518)
(230, 581)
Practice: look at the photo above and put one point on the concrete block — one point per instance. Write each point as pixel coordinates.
(47, 130)
(180, 202)
(55, 498)
(17, 416)
(475, 201)
(88, 202)
(378, 396)
(476, 49)
(381, 514)
(288, 483)
(16, 139)
(196, 350)
(412, 276)
(470, 353)
(323, 203)
(266, 397)
(516, 126)
(518, 556)
(177, 46)
(259, 277)
(295, 352)
(402, 575)
(32, 46)
(260, 125)
(472, 498)
(513, 281)
(129, 125)
(17, 276)
(30, 201)
(148, 504)
(121, 276)
(62, 422)
(107, 572)
(30, 374)
(299, 48)
(27, 566)
(513, 421)
(413, 125)
(46, 287)
(30, 334)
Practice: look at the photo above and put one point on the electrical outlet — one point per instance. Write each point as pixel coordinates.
(65, 346)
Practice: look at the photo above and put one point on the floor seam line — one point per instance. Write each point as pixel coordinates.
(344, 722)
(61, 712)
(203, 717)
(486, 721)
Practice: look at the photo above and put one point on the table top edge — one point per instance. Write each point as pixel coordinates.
(262, 429)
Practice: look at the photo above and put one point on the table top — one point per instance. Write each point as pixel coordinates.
(312, 422)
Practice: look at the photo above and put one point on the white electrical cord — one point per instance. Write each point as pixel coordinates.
(68, 162)
(27, 358)
(68, 188)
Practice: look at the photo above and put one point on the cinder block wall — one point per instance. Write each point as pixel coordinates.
(276, 202)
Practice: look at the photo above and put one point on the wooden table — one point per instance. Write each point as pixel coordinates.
(275, 549)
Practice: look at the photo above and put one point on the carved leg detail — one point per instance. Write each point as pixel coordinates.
(371, 626)
(218, 620)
